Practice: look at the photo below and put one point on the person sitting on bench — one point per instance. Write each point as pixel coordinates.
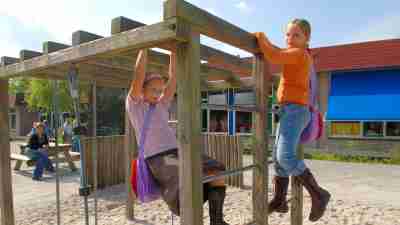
(37, 150)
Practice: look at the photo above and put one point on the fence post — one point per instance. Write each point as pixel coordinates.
(6, 192)
(296, 212)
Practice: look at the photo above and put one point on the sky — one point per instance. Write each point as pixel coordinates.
(333, 22)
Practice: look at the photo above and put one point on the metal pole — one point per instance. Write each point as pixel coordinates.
(55, 104)
(94, 148)
(84, 189)
(228, 173)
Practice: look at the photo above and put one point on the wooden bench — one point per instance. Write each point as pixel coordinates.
(76, 156)
(69, 157)
(21, 158)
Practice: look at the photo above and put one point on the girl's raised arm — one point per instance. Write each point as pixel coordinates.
(136, 89)
(171, 87)
(276, 55)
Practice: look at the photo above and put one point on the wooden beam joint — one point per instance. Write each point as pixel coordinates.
(210, 25)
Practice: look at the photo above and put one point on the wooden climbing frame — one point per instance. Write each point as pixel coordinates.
(108, 61)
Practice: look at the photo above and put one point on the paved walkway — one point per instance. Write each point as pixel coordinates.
(369, 183)
(28, 193)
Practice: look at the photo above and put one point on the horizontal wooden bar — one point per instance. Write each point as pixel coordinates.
(212, 55)
(214, 86)
(100, 79)
(161, 62)
(210, 25)
(143, 37)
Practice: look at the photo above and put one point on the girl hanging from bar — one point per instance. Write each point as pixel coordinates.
(149, 93)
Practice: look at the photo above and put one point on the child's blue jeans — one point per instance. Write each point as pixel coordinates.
(293, 120)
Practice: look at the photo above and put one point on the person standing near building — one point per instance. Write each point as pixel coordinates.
(47, 129)
(67, 131)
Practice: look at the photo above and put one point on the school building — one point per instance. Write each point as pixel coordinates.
(20, 117)
(359, 96)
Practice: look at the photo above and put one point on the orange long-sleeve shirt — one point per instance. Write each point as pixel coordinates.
(294, 83)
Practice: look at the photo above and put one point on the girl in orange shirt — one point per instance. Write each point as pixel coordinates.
(294, 116)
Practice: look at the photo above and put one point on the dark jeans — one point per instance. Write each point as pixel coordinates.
(42, 162)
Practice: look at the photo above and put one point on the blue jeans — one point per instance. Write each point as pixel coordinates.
(293, 120)
(42, 162)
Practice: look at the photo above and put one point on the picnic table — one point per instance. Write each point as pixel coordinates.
(68, 156)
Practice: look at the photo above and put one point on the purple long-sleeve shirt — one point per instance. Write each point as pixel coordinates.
(160, 137)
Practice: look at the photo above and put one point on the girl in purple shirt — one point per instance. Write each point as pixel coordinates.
(160, 146)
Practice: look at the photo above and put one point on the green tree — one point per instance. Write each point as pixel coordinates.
(40, 93)
(18, 85)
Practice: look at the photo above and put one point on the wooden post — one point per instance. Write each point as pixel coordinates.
(131, 150)
(260, 153)
(189, 129)
(6, 192)
(296, 212)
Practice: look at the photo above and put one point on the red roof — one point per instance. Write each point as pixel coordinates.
(356, 56)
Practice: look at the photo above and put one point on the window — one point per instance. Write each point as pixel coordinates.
(12, 119)
(243, 122)
(218, 121)
(110, 111)
(217, 98)
(393, 129)
(204, 120)
(373, 129)
(345, 128)
(245, 97)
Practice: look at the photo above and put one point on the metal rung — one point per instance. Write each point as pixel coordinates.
(230, 173)
(227, 173)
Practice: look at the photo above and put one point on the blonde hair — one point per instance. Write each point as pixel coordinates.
(304, 25)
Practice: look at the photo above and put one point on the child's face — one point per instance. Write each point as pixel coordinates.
(40, 130)
(153, 90)
(295, 37)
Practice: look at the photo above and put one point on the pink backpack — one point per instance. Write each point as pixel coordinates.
(314, 129)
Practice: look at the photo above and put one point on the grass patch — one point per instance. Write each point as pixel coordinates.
(394, 160)
(395, 157)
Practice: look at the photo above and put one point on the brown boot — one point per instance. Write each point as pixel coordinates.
(279, 203)
(319, 196)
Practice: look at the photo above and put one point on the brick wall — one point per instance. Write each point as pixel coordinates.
(25, 120)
